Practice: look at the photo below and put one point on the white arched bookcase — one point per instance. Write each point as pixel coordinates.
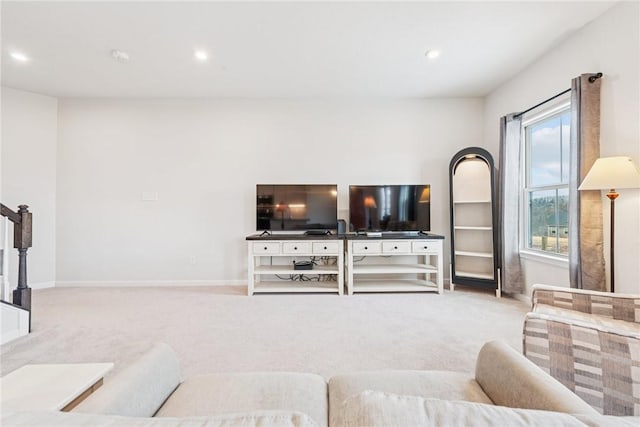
(474, 233)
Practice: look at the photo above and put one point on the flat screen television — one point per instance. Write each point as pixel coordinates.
(282, 207)
(390, 207)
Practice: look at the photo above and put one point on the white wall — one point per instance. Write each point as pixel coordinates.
(611, 45)
(28, 176)
(204, 158)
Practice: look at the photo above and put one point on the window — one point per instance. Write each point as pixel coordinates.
(546, 181)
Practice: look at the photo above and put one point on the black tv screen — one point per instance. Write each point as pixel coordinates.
(390, 207)
(296, 207)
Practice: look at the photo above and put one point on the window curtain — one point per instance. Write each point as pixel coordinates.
(586, 255)
(509, 208)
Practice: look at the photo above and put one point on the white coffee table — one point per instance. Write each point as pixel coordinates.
(57, 387)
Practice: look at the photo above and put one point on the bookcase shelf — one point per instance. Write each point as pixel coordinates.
(467, 227)
(475, 254)
(461, 202)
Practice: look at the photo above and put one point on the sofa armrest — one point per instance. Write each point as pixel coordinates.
(615, 306)
(509, 379)
(140, 389)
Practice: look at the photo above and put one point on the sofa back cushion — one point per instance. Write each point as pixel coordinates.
(68, 419)
(140, 389)
(378, 409)
(510, 379)
(214, 394)
(437, 384)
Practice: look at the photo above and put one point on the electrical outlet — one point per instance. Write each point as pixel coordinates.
(149, 196)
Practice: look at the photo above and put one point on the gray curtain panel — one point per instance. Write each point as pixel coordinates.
(509, 205)
(586, 256)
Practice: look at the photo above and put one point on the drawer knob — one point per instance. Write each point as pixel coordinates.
(426, 247)
(365, 248)
(265, 248)
(395, 247)
(295, 248)
(325, 248)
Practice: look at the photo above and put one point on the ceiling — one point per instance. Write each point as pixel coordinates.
(273, 49)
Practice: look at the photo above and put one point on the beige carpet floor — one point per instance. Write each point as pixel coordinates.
(220, 329)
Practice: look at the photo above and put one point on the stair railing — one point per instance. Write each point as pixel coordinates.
(22, 241)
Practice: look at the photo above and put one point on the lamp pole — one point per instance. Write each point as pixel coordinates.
(612, 195)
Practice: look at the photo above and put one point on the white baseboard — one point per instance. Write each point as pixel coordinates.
(521, 298)
(42, 285)
(39, 285)
(146, 283)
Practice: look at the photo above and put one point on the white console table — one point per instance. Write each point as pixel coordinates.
(376, 275)
(273, 256)
(51, 387)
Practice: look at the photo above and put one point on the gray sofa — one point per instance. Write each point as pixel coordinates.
(507, 389)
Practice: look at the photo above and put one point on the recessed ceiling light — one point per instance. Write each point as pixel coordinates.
(432, 53)
(119, 55)
(200, 55)
(18, 56)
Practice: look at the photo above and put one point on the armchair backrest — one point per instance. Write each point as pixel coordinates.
(615, 306)
(590, 342)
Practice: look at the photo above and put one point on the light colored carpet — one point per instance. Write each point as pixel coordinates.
(220, 329)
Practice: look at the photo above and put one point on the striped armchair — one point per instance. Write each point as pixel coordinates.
(590, 342)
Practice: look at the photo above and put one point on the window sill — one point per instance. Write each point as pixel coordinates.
(557, 261)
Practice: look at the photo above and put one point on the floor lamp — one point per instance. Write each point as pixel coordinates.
(609, 173)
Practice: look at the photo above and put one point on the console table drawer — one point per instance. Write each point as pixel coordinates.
(363, 248)
(326, 247)
(396, 247)
(296, 248)
(425, 247)
(268, 248)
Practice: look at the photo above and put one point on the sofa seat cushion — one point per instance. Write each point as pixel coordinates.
(74, 419)
(241, 392)
(378, 409)
(438, 384)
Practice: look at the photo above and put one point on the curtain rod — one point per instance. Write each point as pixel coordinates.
(592, 79)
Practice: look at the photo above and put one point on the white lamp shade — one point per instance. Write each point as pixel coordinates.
(611, 173)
